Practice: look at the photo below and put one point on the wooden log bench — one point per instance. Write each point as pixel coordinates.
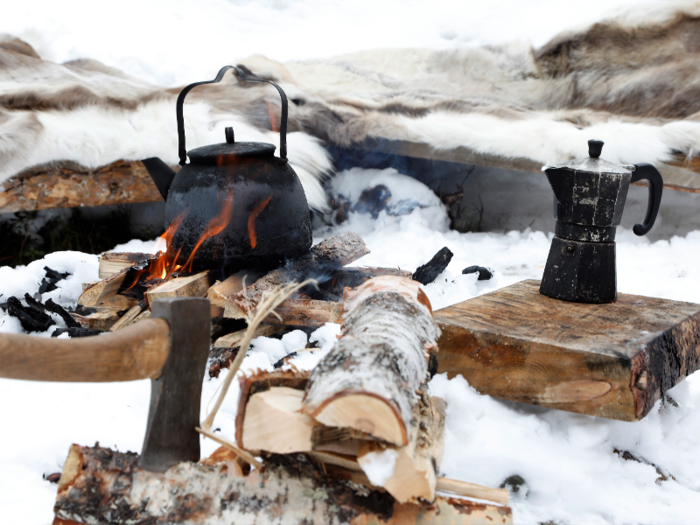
(68, 185)
(613, 360)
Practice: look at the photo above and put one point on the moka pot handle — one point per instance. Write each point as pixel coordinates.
(182, 150)
(656, 187)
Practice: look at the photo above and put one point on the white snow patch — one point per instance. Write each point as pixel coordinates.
(294, 341)
(379, 465)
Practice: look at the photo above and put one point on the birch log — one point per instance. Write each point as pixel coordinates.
(369, 380)
(100, 486)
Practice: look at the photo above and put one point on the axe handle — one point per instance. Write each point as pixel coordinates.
(136, 352)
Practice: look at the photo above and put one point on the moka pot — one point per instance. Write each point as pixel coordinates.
(589, 197)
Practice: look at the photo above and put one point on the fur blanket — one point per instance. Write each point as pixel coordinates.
(632, 81)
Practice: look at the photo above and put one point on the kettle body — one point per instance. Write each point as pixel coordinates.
(234, 205)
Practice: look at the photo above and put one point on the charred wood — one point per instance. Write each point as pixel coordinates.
(427, 273)
(32, 319)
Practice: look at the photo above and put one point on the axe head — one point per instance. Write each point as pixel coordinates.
(176, 395)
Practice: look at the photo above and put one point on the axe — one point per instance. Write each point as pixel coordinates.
(171, 348)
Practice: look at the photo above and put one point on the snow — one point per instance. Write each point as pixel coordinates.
(568, 461)
(379, 465)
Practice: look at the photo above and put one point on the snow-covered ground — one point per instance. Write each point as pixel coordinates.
(568, 462)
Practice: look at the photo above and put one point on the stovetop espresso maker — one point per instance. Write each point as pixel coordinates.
(589, 196)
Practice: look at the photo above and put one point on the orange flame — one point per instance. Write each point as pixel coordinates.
(253, 217)
(163, 266)
(215, 226)
(273, 117)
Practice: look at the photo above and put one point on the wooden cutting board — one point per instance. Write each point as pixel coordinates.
(613, 360)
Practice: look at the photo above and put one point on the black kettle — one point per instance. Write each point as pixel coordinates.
(234, 205)
(589, 196)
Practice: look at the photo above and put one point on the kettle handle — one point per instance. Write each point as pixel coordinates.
(182, 150)
(656, 187)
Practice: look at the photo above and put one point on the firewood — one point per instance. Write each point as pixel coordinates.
(273, 422)
(233, 340)
(102, 290)
(306, 312)
(344, 441)
(221, 290)
(288, 490)
(369, 379)
(190, 286)
(415, 473)
(113, 262)
(127, 318)
(103, 319)
(330, 254)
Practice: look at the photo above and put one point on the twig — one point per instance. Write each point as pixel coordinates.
(472, 490)
(247, 456)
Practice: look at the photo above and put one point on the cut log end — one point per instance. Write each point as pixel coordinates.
(273, 422)
(366, 413)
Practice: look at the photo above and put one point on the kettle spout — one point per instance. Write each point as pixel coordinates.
(560, 184)
(161, 173)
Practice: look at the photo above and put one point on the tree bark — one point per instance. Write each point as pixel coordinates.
(370, 378)
(100, 487)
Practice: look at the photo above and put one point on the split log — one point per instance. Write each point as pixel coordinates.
(273, 422)
(113, 262)
(221, 290)
(306, 312)
(369, 379)
(127, 318)
(101, 291)
(102, 486)
(103, 319)
(195, 285)
(328, 255)
(415, 464)
(608, 360)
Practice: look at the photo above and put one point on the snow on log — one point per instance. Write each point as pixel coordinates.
(369, 380)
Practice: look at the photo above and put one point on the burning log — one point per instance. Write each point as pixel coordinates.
(99, 485)
(369, 379)
(326, 256)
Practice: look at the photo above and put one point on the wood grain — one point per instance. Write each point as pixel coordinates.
(69, 185)
(136, 352)
(613, 360)
(189, 286)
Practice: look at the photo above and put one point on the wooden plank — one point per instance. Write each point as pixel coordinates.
(69, 185)
(613, 360)
(189, 286)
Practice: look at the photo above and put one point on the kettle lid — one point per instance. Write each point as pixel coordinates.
(593, 163)
(230, 149)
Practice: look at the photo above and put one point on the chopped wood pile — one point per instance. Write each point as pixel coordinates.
(130, 282)
(356, 440)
